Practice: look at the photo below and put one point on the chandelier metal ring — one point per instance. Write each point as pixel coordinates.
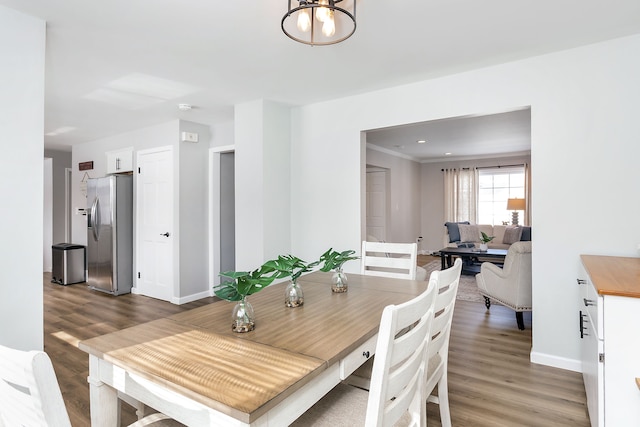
(313, 30)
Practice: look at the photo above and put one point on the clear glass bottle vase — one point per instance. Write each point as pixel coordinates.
(293, 296)
(243, 316)
(339, 282)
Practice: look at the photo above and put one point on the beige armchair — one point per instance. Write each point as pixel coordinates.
(510, 285)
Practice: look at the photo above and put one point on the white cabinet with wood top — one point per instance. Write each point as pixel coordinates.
(609, 308)
(120, 161)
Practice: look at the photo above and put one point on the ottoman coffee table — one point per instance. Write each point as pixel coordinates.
(471, 258)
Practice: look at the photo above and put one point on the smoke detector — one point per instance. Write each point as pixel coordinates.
(184, 107)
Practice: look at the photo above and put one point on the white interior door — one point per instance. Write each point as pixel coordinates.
(377, 204)
(155, 235)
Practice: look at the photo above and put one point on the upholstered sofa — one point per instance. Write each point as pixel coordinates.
(459, 234)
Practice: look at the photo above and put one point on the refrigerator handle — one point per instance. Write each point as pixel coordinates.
(94, 219)
(92, 210)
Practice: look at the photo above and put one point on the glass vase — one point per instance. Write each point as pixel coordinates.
(293, 296)
(243, 317)
(339, 281)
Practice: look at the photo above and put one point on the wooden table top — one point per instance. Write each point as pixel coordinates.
(326, 327)
(244, 375)
(614, 275)
(208, 368)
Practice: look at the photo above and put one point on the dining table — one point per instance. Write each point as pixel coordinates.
(192, 367)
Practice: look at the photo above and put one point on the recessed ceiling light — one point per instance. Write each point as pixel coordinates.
(447, 154)
(422, 141)
(184, 107)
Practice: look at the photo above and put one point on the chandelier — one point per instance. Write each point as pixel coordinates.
(320, 22)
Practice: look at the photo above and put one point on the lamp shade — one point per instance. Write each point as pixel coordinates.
(516, 204)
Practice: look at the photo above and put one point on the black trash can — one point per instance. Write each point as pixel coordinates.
(69, 263)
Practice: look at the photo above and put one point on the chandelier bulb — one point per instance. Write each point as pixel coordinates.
(304, 20)
(321, 11)
(329, 26)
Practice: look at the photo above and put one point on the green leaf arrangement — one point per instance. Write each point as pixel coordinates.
(239, 284)
(333, 259)
(485, 238)
(244, 283)
(289, 266)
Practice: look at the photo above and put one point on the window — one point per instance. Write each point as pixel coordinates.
(496, 185)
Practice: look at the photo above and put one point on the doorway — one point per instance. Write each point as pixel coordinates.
(227, 212)
(47, 237)
(222, 232)
(68, 179)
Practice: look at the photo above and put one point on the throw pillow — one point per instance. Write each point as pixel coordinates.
(526, 234)
(512, 234)
(454, 232)
(469, 233)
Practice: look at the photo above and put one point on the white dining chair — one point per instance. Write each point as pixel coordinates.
(30, 394)
(397, 381)
(396, 260)
(446, 282)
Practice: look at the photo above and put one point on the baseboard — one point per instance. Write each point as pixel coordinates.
(192, 297)
(556, 362)
(182, 300)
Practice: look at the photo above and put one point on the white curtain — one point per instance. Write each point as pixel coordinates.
(460, 195)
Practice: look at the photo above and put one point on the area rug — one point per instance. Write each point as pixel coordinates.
(467, 289)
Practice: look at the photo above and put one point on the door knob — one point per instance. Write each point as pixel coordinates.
(165, 234)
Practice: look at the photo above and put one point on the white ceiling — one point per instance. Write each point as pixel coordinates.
(490, 136)
(118, 65)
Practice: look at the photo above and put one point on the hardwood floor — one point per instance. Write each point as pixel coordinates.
(491, 381)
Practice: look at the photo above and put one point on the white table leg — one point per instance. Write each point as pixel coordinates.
(104, 402)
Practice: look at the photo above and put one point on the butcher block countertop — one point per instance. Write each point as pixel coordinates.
(619, 276)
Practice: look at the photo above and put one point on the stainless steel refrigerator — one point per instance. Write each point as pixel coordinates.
(110, 234)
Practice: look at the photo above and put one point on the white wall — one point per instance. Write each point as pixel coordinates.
(277, 180)
(249, 198)
(22, 56)
(193, 213)
(404, 195)
(584, 155)
(262, 179)
(222, 134)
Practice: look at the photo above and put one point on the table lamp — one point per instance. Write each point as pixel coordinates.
(515, 205)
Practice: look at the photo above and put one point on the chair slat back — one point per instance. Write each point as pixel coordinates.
(446, 281)
(395, 260)
(29, 391)
(398, 375)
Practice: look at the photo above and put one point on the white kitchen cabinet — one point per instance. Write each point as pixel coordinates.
(609, 304)
(120, 161)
